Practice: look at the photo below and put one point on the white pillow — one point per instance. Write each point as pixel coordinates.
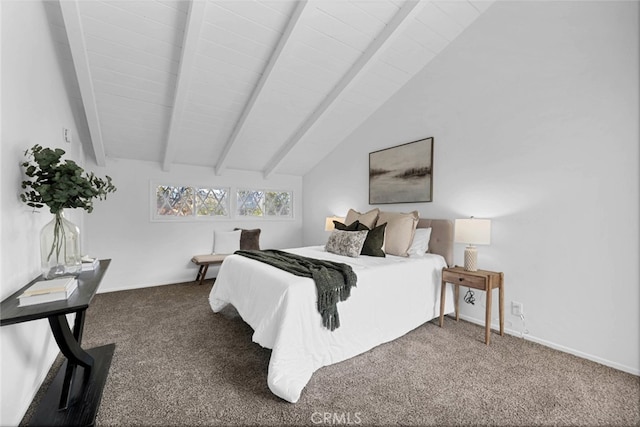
(226, 242)
(420, 244)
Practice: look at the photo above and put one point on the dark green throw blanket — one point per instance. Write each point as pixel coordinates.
(333, 279)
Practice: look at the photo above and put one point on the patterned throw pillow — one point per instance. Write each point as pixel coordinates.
(347, 243)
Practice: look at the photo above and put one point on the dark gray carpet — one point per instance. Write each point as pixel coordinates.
(178, 363)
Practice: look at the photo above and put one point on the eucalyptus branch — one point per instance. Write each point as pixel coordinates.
(60, 184)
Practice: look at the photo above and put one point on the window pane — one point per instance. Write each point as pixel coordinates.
(250, 202)
(212, 202)
(278, 203)
(174, 201)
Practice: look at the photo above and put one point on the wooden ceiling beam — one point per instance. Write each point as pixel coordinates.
(77, 43)
(193, 28)
(409, 9)
(258, 89)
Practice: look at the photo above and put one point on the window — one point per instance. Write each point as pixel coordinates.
(189, 202)
(174, 201)
(264, 203)
(212, 202)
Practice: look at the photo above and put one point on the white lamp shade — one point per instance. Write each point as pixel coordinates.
(473, 231)
(328, 223)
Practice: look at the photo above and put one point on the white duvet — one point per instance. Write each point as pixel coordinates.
(393, 296)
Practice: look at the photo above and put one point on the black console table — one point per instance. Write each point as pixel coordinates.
(73, 398)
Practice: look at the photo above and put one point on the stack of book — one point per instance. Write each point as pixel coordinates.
(89, 263)
(48, 291)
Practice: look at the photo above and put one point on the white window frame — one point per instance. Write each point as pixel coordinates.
(232, 210)
(265, 216)
(194, 217)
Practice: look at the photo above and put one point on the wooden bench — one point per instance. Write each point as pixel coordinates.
(204, 261)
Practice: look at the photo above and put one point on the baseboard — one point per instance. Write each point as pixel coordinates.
(131, 287)
(555, 346)
(146, 285)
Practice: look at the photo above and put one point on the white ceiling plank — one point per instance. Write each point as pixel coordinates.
(120, 66)
(77, 43)
(135, 106)
(112, 14)
(179, 5)
(232, 56)
(460, 11)
(353, 16)
(225, 37)
(120, 52)
(152, 11)
(195, 19)
(331, 26)
(283, 7)
(389, 33)
(115, 88)
(241, 27)
(481, 5)
(255, 12)
(309, 38)
(134, 38)
(440, 22)
(256, 93)
(424, 35)
(226, 69)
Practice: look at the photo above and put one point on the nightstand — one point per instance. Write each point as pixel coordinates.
(483, 280)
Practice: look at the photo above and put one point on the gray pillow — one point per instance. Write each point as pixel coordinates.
(347, 243)
(249, 239)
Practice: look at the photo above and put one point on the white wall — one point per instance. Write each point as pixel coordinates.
(36, 105)
(534, 110)
(150, 253)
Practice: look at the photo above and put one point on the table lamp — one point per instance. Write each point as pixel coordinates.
(472, 231)
(328, 222)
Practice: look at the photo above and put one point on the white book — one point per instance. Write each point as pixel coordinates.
(90, 265)
(24, 300)
(61, 284)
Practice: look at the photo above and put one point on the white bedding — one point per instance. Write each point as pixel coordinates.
(393, 296)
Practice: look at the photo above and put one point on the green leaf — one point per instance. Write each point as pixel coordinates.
(60, 185)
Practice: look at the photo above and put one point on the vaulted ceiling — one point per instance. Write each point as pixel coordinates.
(269, 86)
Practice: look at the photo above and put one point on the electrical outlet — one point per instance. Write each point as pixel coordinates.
(66, 135)
(516, 308)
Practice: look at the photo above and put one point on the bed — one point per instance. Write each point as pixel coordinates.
(280, 307)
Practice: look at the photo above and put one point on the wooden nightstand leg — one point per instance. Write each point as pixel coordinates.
(443, 289)
(456, 298)
(487, 317)
(501, 302)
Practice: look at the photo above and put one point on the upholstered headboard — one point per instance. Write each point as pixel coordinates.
(441, 242)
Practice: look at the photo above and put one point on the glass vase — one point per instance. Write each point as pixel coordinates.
(60, 248)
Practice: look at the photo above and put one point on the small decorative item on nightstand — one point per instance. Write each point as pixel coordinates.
(473, 232)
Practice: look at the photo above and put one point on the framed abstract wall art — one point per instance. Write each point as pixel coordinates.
(402, 174)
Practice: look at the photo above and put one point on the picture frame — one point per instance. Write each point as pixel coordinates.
(402, 174)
